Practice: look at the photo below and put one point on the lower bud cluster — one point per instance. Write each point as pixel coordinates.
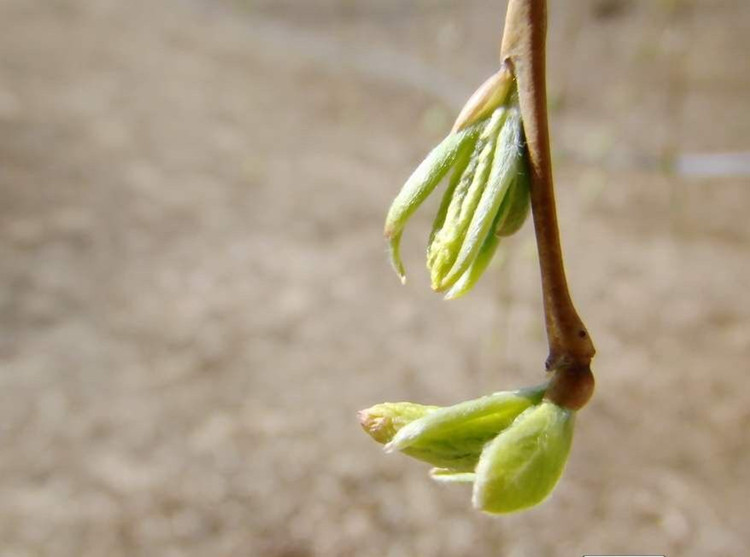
(511, 445)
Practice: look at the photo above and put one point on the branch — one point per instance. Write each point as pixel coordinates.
(570, 346)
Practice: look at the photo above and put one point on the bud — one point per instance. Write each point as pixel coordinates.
(383, 421)
(490, 95)
(453, 437)
(522, 465)
(473, 418)
(511, 445)
(472, 220)
(487, 195)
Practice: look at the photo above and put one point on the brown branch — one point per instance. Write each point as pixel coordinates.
(570, 346)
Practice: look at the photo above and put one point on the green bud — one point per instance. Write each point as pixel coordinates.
(508, 162)
(451, 437)
(522, 465)
(486, 415)
(510, 217)
(512, 445)
(446, 242)
(383, 421)
(486, 195)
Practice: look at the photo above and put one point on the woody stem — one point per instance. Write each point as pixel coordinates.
(523, 48)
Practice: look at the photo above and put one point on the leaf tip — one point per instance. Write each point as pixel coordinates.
(390, 448)
(395, 249)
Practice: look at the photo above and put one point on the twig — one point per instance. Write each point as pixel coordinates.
(570, 346)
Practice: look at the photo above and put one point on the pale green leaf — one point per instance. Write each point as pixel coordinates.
(502, 176)
(421, 183)
(522, 465)
(473, 417)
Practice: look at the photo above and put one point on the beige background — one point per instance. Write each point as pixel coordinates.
(195, 297)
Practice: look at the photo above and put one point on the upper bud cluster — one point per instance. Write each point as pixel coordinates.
(487, 196)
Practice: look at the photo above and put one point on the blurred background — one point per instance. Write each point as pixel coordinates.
(195, 297)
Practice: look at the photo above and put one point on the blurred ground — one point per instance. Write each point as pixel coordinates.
(195, 298)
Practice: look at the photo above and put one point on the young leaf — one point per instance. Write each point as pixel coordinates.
(521, 466)
(519, 202)
(505, 166)
(420, 184)
(464, 199)
(488, 413)
(476, 269)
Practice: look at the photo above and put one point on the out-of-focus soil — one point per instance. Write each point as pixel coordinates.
(195, 297)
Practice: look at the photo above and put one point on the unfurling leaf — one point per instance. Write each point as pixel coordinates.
(507, 164)
(487, 196)
(522, 465)
(420, 184)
